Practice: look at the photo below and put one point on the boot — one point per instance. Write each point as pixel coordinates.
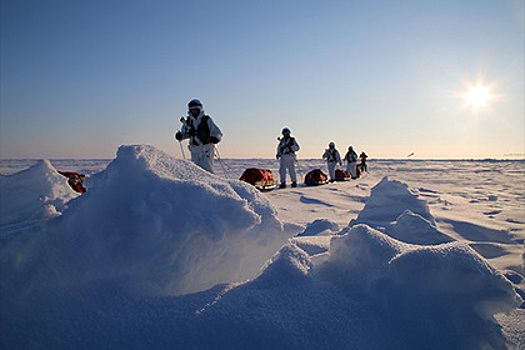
(282, 185)
(294, 184)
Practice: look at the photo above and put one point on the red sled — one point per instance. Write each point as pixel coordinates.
(342, 175)
(74, 180)
(260, 178)
(315, 178)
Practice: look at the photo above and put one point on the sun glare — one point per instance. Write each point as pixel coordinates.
(478, 96)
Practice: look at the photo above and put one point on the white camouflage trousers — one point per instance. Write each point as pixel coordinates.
(203, 156)
(287, 164)
(351, 168)
(331, 170)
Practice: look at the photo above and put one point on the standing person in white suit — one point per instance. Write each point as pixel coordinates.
(286, 153)
(332, 157)
(203, 134)
(351, 160)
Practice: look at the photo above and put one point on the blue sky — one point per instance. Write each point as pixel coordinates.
(80, 78)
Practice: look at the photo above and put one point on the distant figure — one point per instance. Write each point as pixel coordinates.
(203, 134)
(75, 180)
(362, 165)
(351, 160)
(286, 153)
(332, 157)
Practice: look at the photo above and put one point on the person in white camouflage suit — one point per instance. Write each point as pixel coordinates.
(203, 134)
(286, 153)
(332, 157)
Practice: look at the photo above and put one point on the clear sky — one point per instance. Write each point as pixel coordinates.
(80, 78)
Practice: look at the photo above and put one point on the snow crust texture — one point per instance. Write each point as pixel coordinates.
(159, 254)
(371, 291)
(164, 226)
(388, 200)
(33, 194)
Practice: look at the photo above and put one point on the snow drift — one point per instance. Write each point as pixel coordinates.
(320, 227)
(388, 200)
(416, 284)
(33, 194)
(362, 287)
(120, 267)
(370, 291)
(413, 228)
(161, 225)
(398, 211)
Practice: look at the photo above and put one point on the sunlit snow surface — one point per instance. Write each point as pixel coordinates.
(160, 254)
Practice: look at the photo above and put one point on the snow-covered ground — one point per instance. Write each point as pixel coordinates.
(160, 254)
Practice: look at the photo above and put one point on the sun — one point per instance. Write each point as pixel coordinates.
(478, 96)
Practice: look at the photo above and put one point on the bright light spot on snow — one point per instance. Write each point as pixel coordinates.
(478, 96)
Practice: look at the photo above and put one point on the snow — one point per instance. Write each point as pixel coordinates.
(413, 228)
(388, 200)
(319, 227)
(184, 230)
(36, 193)
(161, 254)
(408, 279)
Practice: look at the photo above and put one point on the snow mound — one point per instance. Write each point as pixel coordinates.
(388, 200)
(429, 292)
(413, 228)
(455, 268)
(313, 245)
(360, 252)
(163, 226)
(33, 194)
(320, 227)
(372, 292)
(289, 266)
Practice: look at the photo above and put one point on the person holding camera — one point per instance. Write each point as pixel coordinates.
(202, 133)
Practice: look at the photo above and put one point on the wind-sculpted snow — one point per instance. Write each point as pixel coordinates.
(388, 200)
(413, 228)
(443, 297)
(399, 212)
(159, 225)
(416, 284)
(33, 194)
(318, 227)
(118, 270)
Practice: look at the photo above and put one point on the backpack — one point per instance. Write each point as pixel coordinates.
(332, 155)
(203, 130)
(286, 147)
(351, 157)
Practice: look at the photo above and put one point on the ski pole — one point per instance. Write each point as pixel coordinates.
(183, 121)
(182, 150)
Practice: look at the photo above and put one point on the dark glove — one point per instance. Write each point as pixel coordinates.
(178, 136)
(214, 140)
